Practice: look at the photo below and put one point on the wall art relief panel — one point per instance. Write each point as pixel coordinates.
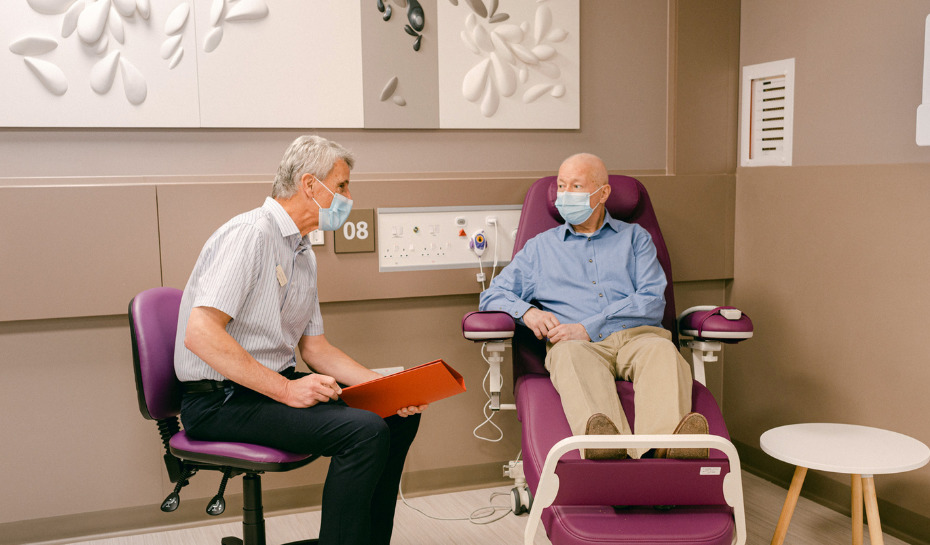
(68, 63)
(309, 64)
(509, 64)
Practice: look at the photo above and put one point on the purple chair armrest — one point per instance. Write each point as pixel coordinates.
(489, 325)
(724, 324)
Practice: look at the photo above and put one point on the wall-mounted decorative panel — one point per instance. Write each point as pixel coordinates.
(96, 64)
(279, 64)
(401, 83)
(508, 64)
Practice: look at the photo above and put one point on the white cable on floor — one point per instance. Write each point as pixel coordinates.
(475, 517)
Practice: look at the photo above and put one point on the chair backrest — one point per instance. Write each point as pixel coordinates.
(153, 324)
(628, 202)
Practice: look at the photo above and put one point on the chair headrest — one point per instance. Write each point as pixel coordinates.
(622, 204)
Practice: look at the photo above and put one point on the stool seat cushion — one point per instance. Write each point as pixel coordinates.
(240, 455)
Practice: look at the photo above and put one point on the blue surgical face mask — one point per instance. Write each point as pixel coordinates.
(333, 217)
(575, 207)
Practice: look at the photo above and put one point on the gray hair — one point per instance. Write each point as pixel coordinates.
(309, 154)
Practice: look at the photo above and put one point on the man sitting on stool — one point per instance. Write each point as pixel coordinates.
(250, 301)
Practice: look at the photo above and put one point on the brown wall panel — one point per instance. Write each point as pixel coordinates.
(696, 214)
(75, 251)
(832, 264)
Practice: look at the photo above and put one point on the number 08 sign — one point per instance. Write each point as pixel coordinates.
(357, 234)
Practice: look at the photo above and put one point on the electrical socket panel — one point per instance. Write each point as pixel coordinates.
(413, 239)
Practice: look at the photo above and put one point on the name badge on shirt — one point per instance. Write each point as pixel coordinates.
(282, 278)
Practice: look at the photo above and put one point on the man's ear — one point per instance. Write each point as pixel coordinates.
(606, 193)
(306, 182)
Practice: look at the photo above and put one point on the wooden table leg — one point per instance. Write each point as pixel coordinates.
(790, 502)
(856, 504)
(871, 510)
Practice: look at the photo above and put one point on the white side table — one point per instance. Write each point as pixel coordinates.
(843, 448)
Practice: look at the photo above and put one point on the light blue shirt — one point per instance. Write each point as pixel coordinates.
(260, 271)
(606, 281)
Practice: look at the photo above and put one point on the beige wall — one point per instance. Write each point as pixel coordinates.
(66, 377)
(831, 254)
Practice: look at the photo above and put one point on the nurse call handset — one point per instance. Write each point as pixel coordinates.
(478, 242)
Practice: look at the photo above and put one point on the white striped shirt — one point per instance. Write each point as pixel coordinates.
(240, 271)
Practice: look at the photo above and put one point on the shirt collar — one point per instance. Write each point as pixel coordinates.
(282, 219)
(614, 224)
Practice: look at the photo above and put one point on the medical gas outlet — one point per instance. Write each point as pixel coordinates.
(445, 237)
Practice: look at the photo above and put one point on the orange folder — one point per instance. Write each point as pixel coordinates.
(411, 387)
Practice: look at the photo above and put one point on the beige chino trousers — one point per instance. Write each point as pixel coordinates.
(584, 372)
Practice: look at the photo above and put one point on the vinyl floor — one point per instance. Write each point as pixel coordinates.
(812, 524)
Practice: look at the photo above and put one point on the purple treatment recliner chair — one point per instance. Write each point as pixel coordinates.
(574, 498)
(153, 323)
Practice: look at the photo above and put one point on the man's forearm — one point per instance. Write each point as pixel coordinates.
(324, 358)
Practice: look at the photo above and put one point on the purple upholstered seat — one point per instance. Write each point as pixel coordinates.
(153, 322)
(582, 511)
(154, 315)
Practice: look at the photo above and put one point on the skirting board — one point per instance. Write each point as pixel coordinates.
(896, 520)
(147, 519)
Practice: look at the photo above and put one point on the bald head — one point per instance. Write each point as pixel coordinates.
(585, 166)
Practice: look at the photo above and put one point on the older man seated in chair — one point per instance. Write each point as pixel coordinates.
(600, 290)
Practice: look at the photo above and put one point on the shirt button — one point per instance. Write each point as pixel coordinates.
(594, 281)
(600, 294)
(590, 261)
(600, 336)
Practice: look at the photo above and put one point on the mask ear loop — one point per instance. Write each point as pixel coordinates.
(324, 187)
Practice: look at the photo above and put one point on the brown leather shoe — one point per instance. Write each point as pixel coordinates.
(692, 423)
(600, 424)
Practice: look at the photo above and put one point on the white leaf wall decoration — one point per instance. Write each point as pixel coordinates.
(133, 82)
(169, 46)
(177, 19)
(33, 45)
(125, 7)
(247, 10)
(103, 73)
(93, 20)
(144, 7)
(70, 21)
(49, 75)
(216, 12)
(50, 7)
(212, 41)
(475, 81)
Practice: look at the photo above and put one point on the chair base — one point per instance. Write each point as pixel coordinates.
(253, 518)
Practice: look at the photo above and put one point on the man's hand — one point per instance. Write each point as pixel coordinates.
(568, 332)
(412, 410)
(309, 390)
(540, 322)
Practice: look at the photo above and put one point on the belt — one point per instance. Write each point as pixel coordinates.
(206, 386)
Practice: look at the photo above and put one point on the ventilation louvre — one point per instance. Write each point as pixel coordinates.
(767, 114)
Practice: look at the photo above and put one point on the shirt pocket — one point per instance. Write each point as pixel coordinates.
(296, 311)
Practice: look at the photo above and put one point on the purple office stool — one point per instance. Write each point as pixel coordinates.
(574, 498)
(153, 323)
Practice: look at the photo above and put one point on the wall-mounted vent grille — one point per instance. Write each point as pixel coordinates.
(767, 114)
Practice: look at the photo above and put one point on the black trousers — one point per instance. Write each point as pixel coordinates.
(367, 452)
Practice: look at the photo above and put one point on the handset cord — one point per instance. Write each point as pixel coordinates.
(488, 416)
